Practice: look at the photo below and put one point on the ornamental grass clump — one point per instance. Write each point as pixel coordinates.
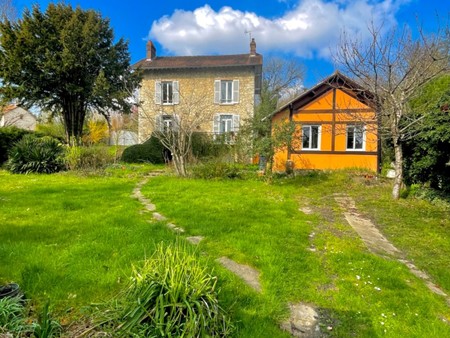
(36, 155)
(12, 316)
(173, 295)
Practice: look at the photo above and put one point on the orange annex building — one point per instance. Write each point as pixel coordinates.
(336, 127)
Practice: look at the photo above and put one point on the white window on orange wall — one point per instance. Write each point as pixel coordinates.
(311, 137)
(356, 137)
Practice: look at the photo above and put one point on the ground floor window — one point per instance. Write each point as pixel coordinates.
(166, 123)
(310, 137)
(355, 137)
(226, 125)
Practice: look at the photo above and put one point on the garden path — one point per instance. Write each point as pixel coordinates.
(149, 206)
(378, 244)
(249, 275)
(303, 320)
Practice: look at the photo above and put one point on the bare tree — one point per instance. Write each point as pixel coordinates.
(394, 67)
(174, 125)
(282, 80)
(7, 10)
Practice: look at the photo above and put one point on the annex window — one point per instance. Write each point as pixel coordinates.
(355, 137)
(226, 91)
(310, 137)
(167, 92)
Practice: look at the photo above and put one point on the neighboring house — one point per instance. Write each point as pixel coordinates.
(336, 127)
(18, 117)
(124, 138)
(224, 89)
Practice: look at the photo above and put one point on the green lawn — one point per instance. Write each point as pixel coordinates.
(73, 239)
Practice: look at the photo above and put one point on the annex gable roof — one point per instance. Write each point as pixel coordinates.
(336, 80)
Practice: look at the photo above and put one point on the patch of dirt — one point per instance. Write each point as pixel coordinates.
(84, 329)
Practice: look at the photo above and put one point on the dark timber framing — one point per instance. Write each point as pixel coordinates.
(334, 82)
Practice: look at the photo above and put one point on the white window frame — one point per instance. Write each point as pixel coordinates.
(161, 86)
(225, 123)
(319, 134)
(231, 92)
(167, 92)
(167, 123)
(354, 128)
(218, 119)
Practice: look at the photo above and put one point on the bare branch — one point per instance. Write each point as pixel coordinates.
(394, 67)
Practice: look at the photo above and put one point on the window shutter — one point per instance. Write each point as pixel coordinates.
(159, 123)
(216, 124)
(236, 123)
(176, 93)
(176, 123)
(217, 91)
(158, 92)
(235, 91)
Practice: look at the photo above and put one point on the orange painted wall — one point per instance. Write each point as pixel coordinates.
(347, 110)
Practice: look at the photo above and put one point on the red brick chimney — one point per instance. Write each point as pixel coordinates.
(151, 50)
(253, 47)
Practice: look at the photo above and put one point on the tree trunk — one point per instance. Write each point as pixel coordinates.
(398, 166)
(180, 164)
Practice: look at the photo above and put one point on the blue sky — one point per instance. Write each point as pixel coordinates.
(303, 29)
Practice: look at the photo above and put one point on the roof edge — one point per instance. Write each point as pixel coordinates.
(327, 81)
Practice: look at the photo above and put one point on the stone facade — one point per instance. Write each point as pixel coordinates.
(196, 86)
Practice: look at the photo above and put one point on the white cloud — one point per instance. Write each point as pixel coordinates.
(310, 28)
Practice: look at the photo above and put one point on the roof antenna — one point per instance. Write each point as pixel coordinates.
(249, 34)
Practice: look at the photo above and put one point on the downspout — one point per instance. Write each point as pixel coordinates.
(378, 141)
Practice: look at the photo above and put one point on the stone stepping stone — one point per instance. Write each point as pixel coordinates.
(175, 228)
(149, 206)
(303, 321)
(367, 231)
(195, 239)
(249, 275)
(422, 275)
(306, 210)
(157, 216)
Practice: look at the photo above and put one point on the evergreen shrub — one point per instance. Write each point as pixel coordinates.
(36, 155)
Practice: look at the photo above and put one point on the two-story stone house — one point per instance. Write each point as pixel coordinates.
(212, 94)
